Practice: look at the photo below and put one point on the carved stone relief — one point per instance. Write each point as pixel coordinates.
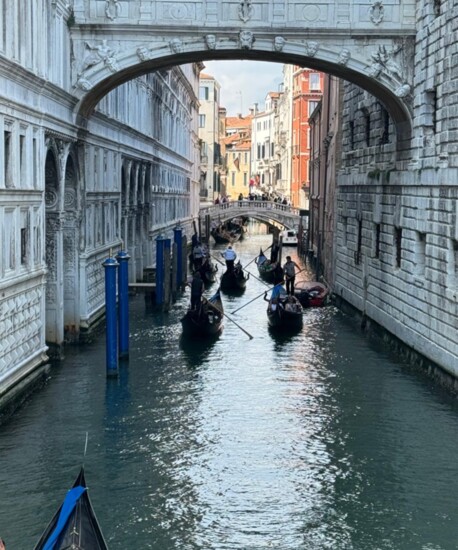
(344, 56)
(176, 45)
(377, 12)
(112, 9)
(210, 41)
(246, 39)
(311, 48)
(279, 43)
(245, 10)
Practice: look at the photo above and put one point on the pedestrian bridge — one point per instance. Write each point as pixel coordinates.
(269, 212)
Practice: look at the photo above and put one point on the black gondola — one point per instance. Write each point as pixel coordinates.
(235, 279)
(208, 271)
(223, 236)
(284, 312)
(271, 272)
(207, 320)
(74, 525)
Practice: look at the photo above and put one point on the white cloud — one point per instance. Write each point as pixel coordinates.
(244, 83)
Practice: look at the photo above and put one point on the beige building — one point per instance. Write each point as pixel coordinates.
(209, 135)
(236, 148)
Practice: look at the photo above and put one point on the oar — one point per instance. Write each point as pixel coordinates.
(227, 317)
(257, 257)
(265, 291)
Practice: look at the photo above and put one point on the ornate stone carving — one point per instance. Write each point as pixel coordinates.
(176, 45)
(112, 9)
(403, 91)
(50, 198)
(245, 10)
(97, 54)
(377, 12)
(144, 54)
(246, 39)
(279, 43)
(311, 48)
(210, 41)
(383, 61)
(84, 84)
(344, 56)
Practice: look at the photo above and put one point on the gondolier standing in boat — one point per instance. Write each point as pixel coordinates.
(229, 255)
(197, 289)
(289, 271)
(198, 255)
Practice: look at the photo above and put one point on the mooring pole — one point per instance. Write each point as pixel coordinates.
(123, 289)
(167, 274)
(160, 240)
(178, 239)
(111, 265)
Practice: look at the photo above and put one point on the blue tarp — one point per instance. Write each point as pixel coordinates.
(67, 508)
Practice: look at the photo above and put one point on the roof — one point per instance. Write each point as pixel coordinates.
(207, 76)
(239, 122)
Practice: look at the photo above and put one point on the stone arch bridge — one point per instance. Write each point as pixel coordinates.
(367, 42)
(268, 212)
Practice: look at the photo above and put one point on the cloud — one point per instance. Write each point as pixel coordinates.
(244, 83)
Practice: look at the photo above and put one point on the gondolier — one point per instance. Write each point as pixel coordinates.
(198, 254)
(197, 289)
(229, 255)
(289, 271)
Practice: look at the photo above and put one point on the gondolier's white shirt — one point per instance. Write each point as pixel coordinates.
(229, 254)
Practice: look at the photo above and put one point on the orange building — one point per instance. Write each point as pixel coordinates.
(307, 93)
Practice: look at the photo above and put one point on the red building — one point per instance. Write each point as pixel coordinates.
(307, 93)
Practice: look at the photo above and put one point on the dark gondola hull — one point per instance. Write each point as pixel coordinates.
(233, 280)
(80, 529)
(281, 318)
(208, 321)
(224, 237)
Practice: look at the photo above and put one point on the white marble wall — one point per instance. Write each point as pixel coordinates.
(63, 203)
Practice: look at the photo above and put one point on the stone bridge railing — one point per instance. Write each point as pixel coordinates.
(266, 211)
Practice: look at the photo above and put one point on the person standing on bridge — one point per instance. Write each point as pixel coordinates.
(229, 255)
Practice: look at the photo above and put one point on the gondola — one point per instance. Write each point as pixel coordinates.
(284, 313)
(271, 272)
(208, 271)
(205, 321)
(311, 293)
(222, 236)
(235, 279)
(74, 525)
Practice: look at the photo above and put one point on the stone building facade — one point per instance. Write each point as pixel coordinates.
(395, 252)
(69, 197)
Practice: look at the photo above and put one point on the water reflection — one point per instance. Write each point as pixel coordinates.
(313, 440)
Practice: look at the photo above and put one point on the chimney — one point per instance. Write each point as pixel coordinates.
(239, 115)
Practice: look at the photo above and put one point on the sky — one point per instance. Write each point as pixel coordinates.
(244, 83)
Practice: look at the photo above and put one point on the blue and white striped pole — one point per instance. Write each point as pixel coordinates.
(123, 289)
(111, 265)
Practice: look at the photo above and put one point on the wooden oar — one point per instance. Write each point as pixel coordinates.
(227, 317)
(265, 291)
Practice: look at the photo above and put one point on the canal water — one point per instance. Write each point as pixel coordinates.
(319, 440)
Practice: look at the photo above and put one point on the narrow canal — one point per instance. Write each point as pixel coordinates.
(320, 440)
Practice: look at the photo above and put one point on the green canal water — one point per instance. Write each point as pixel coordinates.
(319, 440)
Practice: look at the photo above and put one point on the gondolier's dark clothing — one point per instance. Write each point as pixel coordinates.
(289, 270)
(197, 289)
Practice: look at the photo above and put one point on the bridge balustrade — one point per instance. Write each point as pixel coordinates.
(248, 205)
